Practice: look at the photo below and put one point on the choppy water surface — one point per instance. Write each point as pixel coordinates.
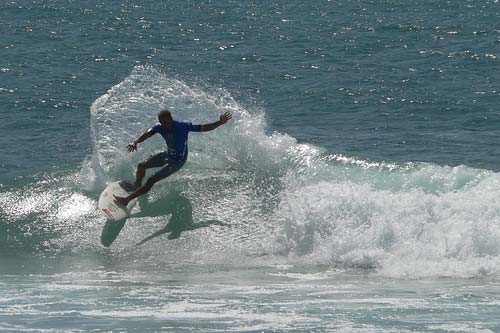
(355, 189)
(269, 298)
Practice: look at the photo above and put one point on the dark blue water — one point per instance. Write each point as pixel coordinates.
(362, 155)
(373, 79)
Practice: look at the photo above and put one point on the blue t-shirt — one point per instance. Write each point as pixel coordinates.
(176, 138)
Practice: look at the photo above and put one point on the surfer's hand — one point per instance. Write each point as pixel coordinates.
(225, 117)
(132, 147)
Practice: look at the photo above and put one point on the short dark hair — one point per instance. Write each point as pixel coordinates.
(164, 113)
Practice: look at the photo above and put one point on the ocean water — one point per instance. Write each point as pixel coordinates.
(356, 188)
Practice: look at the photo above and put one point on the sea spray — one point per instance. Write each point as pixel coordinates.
(273, 199)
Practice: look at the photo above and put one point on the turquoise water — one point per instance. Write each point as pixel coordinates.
(355, 189)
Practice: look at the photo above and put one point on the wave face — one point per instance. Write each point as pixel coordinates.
(256, 197)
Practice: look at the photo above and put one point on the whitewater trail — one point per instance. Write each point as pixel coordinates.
(272, 198)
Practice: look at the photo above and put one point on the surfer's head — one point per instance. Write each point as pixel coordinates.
(165, 118)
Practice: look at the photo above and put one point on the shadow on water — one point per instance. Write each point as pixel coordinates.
(174, 204)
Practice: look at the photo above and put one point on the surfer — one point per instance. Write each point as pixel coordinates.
(175, 134)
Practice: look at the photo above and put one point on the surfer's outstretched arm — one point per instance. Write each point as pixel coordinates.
(133, 145)
(222, 120)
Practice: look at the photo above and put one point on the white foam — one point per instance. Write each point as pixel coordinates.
(409, 231)
(411, 220)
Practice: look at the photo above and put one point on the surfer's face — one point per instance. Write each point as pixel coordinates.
(166, 120)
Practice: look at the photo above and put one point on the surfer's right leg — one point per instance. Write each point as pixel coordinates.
(169, 167)
(140, 173)
(153, 161)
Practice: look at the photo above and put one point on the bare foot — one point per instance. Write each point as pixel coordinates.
(120, 201)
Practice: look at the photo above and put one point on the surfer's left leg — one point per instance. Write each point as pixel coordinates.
(170, 167)
(123, 201)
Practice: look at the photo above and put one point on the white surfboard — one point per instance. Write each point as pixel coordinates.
(107, 205)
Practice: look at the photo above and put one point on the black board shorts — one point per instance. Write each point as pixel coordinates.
(168, 165)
